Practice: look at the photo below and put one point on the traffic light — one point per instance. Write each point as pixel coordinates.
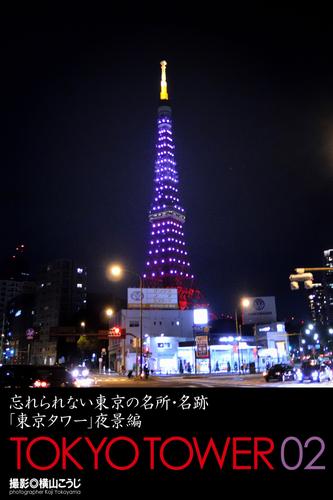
(307, 278)
(301, 277)
(117, 332)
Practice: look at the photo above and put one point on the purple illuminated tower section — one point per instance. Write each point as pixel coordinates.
(168, 263)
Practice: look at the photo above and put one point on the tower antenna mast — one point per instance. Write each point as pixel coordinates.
(164, 85)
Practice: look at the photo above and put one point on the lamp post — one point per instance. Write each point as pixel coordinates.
(116, 271)
(244, 303)
(238, 337)
(109, 314)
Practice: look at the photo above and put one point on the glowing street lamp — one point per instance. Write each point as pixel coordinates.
(109, 312)
(116, 271)
(245, 302)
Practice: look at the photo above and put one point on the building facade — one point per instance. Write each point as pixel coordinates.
(17, 294)
(162, 331)
(321, 298)
(170, 347)
(20, 333)
(61, 295)
(9, 289)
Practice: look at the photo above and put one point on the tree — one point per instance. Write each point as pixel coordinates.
(87, 345)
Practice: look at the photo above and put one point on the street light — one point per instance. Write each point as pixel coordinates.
(116, 271)
(244, 303)
(109, 313)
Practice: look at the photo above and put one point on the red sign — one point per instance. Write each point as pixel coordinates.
(117, 332)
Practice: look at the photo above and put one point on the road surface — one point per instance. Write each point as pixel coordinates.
(195, 381)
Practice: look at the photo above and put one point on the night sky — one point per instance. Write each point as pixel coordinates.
(252, 99)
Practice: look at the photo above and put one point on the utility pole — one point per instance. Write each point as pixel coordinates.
(238, 335)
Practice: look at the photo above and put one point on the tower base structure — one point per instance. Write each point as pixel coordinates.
(190, 298)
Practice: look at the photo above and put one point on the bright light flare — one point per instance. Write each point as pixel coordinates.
(245, 302)
(115, 272)
(109, 312)
(200, 316)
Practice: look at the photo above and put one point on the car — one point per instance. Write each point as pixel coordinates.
(80, 371)
(29, 376)
(81, 374)
(314, 371)
(281, 372)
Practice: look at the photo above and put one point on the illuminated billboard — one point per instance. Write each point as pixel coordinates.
(200, 316)
(152, 298)
(259, 310)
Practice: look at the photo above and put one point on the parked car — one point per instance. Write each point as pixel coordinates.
(281, 372)
(27, 376)
(314, 371)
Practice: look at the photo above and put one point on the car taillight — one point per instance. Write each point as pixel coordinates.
(41, 384)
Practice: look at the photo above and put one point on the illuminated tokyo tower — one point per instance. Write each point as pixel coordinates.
(168, 264)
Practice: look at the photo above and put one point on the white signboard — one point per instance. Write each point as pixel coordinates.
(152, 298)
(260, 310)
(200, 316)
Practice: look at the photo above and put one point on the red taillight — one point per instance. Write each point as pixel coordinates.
(41, 384)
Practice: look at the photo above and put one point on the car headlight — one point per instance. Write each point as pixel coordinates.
(75, 373)
(314, 375)
(264, 374)
(85, 372)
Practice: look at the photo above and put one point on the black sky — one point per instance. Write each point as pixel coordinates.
(252, 98)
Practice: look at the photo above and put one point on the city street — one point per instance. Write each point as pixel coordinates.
(197, 381)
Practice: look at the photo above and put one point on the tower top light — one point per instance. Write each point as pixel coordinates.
(164, 89)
